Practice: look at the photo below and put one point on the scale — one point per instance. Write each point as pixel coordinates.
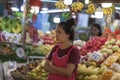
(20, 52)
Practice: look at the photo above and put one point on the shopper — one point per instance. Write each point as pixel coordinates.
(63, 60)
(95, 30)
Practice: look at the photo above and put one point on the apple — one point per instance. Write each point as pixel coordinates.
(109, 46)
(117, 42)
(103, 46)
(105, 55)
(115, 48)
(110, 51)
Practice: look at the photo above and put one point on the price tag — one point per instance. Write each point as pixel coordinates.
(96, 56)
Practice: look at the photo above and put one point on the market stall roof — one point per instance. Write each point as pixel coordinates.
(105, 1)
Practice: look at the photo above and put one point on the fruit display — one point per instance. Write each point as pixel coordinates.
(111, 46)
(45, 49)
(110, 60)
(38, 73)
(107, 75)
(41, 50)
(31, 71)
(66, 15)
(93, 45)
(22, 71)
(60, 5)
(91, 9)
(10, 25)
(108, 11)
(47, 39)
(33, 33)
(76, 6)
(91, 72)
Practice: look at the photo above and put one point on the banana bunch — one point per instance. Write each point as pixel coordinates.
(108, 11)
(91, 9)
(17, 28)
(38, 73)
(61, 5)
(76, 6)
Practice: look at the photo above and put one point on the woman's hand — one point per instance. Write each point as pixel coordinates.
(48, 66)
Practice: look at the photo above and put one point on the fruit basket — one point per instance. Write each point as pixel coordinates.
(19, 76)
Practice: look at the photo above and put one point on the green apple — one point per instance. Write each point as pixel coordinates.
(115, 48)
(118, 42)
(110, 51)
(109, 46)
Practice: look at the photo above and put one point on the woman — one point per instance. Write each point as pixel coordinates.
(95, 30)
(63, 60)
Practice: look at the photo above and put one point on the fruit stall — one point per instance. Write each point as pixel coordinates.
(23, 43)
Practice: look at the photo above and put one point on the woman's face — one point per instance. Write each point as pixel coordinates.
(61, 36)
(95, 31)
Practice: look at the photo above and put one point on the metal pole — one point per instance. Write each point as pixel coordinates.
(23, 22)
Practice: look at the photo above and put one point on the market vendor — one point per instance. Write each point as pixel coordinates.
(63, 60)
(95, 30)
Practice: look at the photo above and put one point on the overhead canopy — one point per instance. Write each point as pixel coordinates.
(105, 1)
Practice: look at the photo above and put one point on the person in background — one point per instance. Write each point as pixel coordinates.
(62, 62)
(95, 30)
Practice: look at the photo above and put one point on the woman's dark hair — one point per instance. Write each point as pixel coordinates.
(98, 27)
(68, 27)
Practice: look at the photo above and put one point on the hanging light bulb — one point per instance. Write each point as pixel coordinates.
(56, 19)
(22, 8)
(87, 1)
(14, 6)
(68, 2)
(106, 5)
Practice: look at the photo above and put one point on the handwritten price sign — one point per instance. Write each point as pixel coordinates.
(96, 56)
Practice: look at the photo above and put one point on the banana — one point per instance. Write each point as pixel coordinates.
(91, 9)
(108, 11)
(61, 5)
(76, 6)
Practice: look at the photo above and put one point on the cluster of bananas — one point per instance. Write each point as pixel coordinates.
(38, 73)
(76, 6)
(61, 5)
(108, 11)
(17, 28)
(91, 9)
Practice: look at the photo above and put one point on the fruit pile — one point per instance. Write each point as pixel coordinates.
(90, 72)
(66, 15)
(111, 46)
(60, 5)
(91, 9)
(76, 6)
(38, 72)
(47, 39)
(31, 71)
(41, 50)
(10, 25)
(92, 45)
(45, 49)
(108, 11)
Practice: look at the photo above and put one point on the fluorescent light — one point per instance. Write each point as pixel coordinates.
(68, 2)
(86, 1)
(106, 5)
(49, 1)
(55, 11)
(117, 8)
(15, 8)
